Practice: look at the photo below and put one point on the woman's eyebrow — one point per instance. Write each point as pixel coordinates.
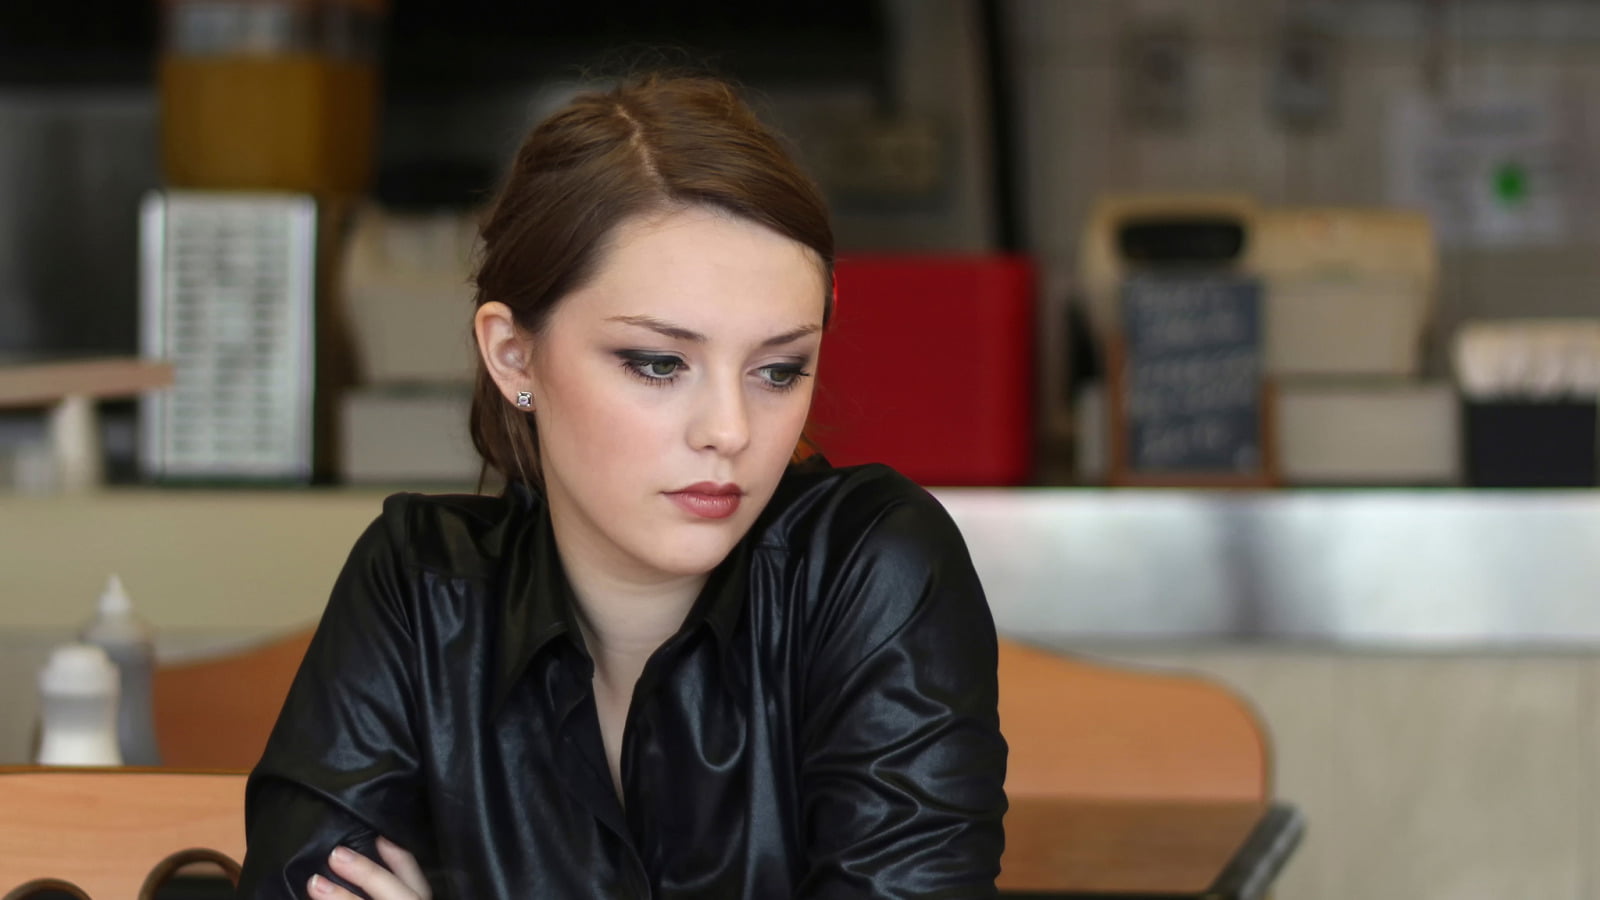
(790, 336)
(678, 332)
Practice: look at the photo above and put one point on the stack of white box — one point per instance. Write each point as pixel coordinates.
(405, 283)
(1349, 296)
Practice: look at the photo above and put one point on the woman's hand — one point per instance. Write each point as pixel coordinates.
(401, 881)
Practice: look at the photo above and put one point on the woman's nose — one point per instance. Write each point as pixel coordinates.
(721, 422)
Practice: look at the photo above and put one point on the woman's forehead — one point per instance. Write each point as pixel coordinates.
(703, 270)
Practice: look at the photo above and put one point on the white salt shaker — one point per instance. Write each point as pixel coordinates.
(78, 689)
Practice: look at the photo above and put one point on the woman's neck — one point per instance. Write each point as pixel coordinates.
(625, 621)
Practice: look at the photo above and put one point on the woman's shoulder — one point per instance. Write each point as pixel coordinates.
(462, 535)
(852, 509)
(866, 552)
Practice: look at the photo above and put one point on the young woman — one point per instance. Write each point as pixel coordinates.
(669, 661)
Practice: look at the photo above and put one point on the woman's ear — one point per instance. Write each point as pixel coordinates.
(506, 351)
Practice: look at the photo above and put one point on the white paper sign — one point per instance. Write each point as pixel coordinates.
(1489, 171)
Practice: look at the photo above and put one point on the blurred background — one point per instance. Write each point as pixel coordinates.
(1391, 174)
(1341, 254)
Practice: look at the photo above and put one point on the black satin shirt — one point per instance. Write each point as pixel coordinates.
(823, 725)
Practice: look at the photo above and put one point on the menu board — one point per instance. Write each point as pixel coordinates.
(1189, 404)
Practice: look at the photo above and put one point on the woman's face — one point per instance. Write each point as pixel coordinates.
(670, 391)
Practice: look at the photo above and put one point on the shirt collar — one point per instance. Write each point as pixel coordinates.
(539, 605)
(536, 600)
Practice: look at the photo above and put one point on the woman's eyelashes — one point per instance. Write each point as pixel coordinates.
(783, 376)
(651, 368)
(661, 369)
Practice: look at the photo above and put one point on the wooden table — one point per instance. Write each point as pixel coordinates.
(69, 389)
(43, 382)
(1055, 849)
(1136, 850)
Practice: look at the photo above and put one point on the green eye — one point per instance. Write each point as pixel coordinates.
(783, 378)
(653, 369)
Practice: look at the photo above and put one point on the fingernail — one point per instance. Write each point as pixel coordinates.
(340, 854)
(319, 885)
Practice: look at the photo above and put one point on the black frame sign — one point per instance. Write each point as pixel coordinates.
(1190, 404)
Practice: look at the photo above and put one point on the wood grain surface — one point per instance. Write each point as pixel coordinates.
(106, 830)
(44, 383)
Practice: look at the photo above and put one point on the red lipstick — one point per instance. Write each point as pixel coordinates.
(708, 500)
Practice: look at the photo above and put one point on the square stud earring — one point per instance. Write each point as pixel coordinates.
(524, 399)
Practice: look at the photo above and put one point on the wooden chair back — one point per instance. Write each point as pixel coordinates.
(217, 713)
(114, 834)
(1083, 730)
(1076, 728)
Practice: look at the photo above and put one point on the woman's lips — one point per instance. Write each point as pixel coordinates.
(707, 500)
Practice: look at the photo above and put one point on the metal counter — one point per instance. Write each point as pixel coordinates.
(1446, 568)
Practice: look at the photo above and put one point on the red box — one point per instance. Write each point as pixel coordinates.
(928, 366)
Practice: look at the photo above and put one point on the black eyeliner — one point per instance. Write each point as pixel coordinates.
(634, 361)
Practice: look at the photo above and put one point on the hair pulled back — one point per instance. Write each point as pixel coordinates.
(651, 144)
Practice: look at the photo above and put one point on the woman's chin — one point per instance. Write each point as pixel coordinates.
(695, 556)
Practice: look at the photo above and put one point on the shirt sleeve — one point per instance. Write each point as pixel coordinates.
(903, 766)
(341, 766)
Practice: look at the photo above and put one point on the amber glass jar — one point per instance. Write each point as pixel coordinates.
(270, 94)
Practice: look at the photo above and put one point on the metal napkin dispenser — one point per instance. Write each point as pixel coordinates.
(227, 297)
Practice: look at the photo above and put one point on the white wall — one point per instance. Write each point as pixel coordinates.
(243, 562)
(1425, 776)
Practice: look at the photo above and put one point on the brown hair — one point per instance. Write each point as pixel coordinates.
(650, 144)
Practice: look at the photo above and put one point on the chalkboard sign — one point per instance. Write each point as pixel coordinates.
(1188, 402)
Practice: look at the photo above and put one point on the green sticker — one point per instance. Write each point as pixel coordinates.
(1511, 184)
